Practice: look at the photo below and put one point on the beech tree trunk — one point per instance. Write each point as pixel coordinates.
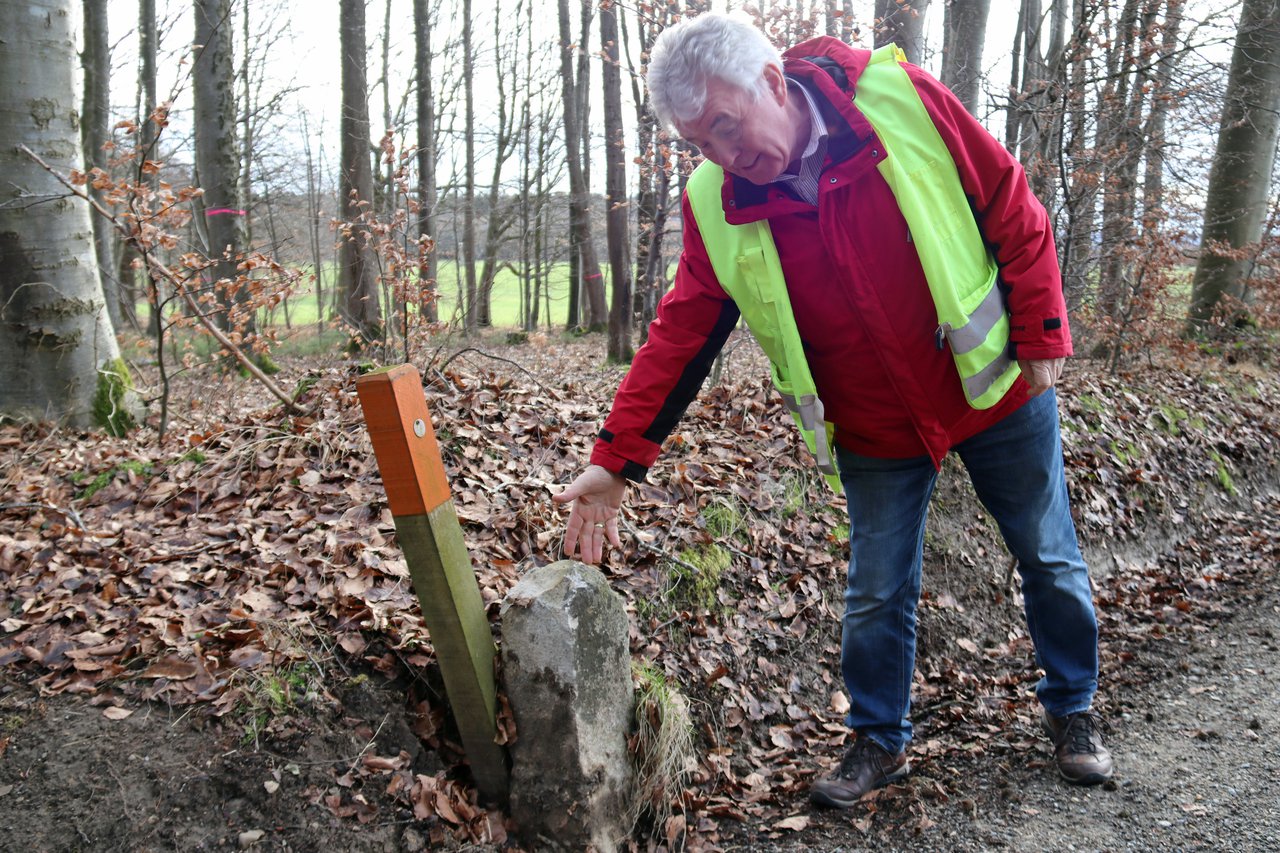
(357, 271)
(1240, 178)
(56, 339)
(579, 203)
(217, 157)
(964, 30)
(1162, 95)
(95, 130)
(428, 263)
(615, 191)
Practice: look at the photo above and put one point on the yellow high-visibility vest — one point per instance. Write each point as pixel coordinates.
(960, 270)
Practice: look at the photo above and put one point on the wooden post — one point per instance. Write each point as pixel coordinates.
(431, 538)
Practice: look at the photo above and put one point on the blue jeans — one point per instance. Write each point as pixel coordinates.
(1016, 469)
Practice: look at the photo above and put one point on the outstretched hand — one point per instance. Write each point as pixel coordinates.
(1041, 373)
(596, 497)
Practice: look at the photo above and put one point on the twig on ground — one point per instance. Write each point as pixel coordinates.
(515, 364)
(70, 514)
(654, 549)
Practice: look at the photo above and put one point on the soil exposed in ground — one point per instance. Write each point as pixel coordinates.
(359, 756)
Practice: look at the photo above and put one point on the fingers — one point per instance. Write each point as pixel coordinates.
(1041, 374)
(571, 532)
(611, 531)
(586, 533)
(571, 492)
(594, 498)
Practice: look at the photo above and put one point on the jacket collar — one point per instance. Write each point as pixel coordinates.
(817, 64)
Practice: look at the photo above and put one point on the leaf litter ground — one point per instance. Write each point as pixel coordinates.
(211, 642)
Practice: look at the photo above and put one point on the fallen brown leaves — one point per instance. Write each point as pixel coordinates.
(263, 543)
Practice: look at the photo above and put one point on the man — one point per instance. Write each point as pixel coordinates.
(891, 260)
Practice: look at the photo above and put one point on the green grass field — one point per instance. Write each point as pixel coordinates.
(505, 301)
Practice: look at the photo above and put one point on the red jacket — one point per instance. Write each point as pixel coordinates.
(858, 292)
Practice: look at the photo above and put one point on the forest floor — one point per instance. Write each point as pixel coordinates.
(209, 642)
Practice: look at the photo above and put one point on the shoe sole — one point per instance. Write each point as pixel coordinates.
(1089, 779)
(821, 798)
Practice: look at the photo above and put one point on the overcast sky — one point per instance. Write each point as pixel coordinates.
(304, 55)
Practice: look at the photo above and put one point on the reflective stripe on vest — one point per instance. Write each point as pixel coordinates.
(961, 272)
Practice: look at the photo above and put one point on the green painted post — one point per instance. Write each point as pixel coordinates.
(431, 538)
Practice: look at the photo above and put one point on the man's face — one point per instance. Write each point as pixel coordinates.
(752, 139)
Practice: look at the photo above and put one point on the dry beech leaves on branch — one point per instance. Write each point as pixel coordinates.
(130, 572)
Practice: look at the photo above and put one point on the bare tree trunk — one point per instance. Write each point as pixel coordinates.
(357, 270)
(217, 156)
(654, 183)
(148, 39)
(246, 124)
(313, 227)
(1119, 129)
(903, 25)
(964, 30)
(1050, 102)
(1080, 185)
(1240, 178)
(1162, 95)
(59, 350)
(579, 204)
(95, 131)
(428, 258)
(615, 192)
(471, 317)
(501, 216)
(387, 190)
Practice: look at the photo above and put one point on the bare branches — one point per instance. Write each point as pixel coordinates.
(161, 270)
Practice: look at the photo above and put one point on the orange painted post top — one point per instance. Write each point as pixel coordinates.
(403, 440)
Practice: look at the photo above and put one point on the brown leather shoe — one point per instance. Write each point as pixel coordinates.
(865, 766)
(1077, 747)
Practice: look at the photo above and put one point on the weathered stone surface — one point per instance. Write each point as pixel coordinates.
(567, 672)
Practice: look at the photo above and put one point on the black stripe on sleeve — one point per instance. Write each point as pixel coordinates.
(693, 375)
(634, 471)
(606, 435)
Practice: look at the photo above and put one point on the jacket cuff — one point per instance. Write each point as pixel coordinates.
(606, 455)
(1037, 336)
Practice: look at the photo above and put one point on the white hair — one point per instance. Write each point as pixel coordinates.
(713, 45)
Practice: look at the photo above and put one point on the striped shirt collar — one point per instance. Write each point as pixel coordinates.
(804, 181)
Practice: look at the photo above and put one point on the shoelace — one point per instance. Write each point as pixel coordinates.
(862, 750)
(1081, 730)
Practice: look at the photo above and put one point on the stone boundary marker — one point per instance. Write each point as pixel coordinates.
(567, 668)
(428, 532)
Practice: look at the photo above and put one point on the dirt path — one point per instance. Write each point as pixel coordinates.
(1197, 745)
(1198, 757)
(1198, 748)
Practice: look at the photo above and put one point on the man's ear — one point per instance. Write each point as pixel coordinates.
(775, 83)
